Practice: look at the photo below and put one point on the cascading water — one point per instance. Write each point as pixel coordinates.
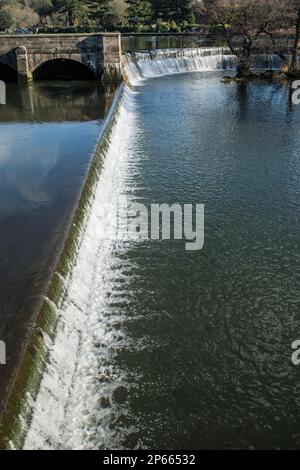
(142, 65)
(80, 371)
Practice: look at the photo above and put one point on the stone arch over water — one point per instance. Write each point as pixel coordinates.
(8, 74)
(63, 69)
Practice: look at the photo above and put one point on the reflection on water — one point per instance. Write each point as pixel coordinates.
(47, 135)
(55, 101)
(146, 42)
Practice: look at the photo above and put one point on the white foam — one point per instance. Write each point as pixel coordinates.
(67, 412)
(139, 66)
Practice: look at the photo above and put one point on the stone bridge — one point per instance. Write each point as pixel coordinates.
(27, 57)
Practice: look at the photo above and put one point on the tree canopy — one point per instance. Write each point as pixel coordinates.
(240, 20)
(27, 13)
(94, 13)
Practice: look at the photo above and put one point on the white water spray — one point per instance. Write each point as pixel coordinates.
(75, 405)
(139, 66)
(75, 408)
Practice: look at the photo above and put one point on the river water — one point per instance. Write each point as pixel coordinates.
(48, 132)
(152, 41)
(159, 347)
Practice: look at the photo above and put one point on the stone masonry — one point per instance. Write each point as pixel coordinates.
(100, 52)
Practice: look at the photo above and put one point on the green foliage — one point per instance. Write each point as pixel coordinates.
(6, 19)
(43, 8)
(139, 11)
(58, 13)
(93, 13)
(164, 27)
(175, 10)
(71, 12)
(101, 13)
(137, 15)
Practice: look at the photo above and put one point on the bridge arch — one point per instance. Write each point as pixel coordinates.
(62, 68)
(7, 73)
(99, 53)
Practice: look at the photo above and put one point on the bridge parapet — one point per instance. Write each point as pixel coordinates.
(101, 53)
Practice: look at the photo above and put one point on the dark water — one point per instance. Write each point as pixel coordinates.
(47, 135)
(208, 352)
(146, 42)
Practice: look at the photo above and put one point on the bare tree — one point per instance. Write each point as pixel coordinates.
(291, 21)
(245, 26)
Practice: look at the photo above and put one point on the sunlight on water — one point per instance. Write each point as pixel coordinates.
(80, 373)
(142, 65)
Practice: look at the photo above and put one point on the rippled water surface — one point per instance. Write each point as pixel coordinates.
(189, 349)
(210, 332)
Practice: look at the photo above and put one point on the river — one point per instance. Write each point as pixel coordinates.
(174, 349)
(48, 132)
(157, 347)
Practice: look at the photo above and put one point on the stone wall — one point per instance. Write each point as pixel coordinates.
(100, 52)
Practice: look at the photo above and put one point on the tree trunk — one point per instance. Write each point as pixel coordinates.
(242, 70)
(293, 65)
(244, 62)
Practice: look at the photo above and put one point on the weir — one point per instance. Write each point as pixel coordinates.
(88, 325)
(148, 64)
(64, 285)
(69, 315)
